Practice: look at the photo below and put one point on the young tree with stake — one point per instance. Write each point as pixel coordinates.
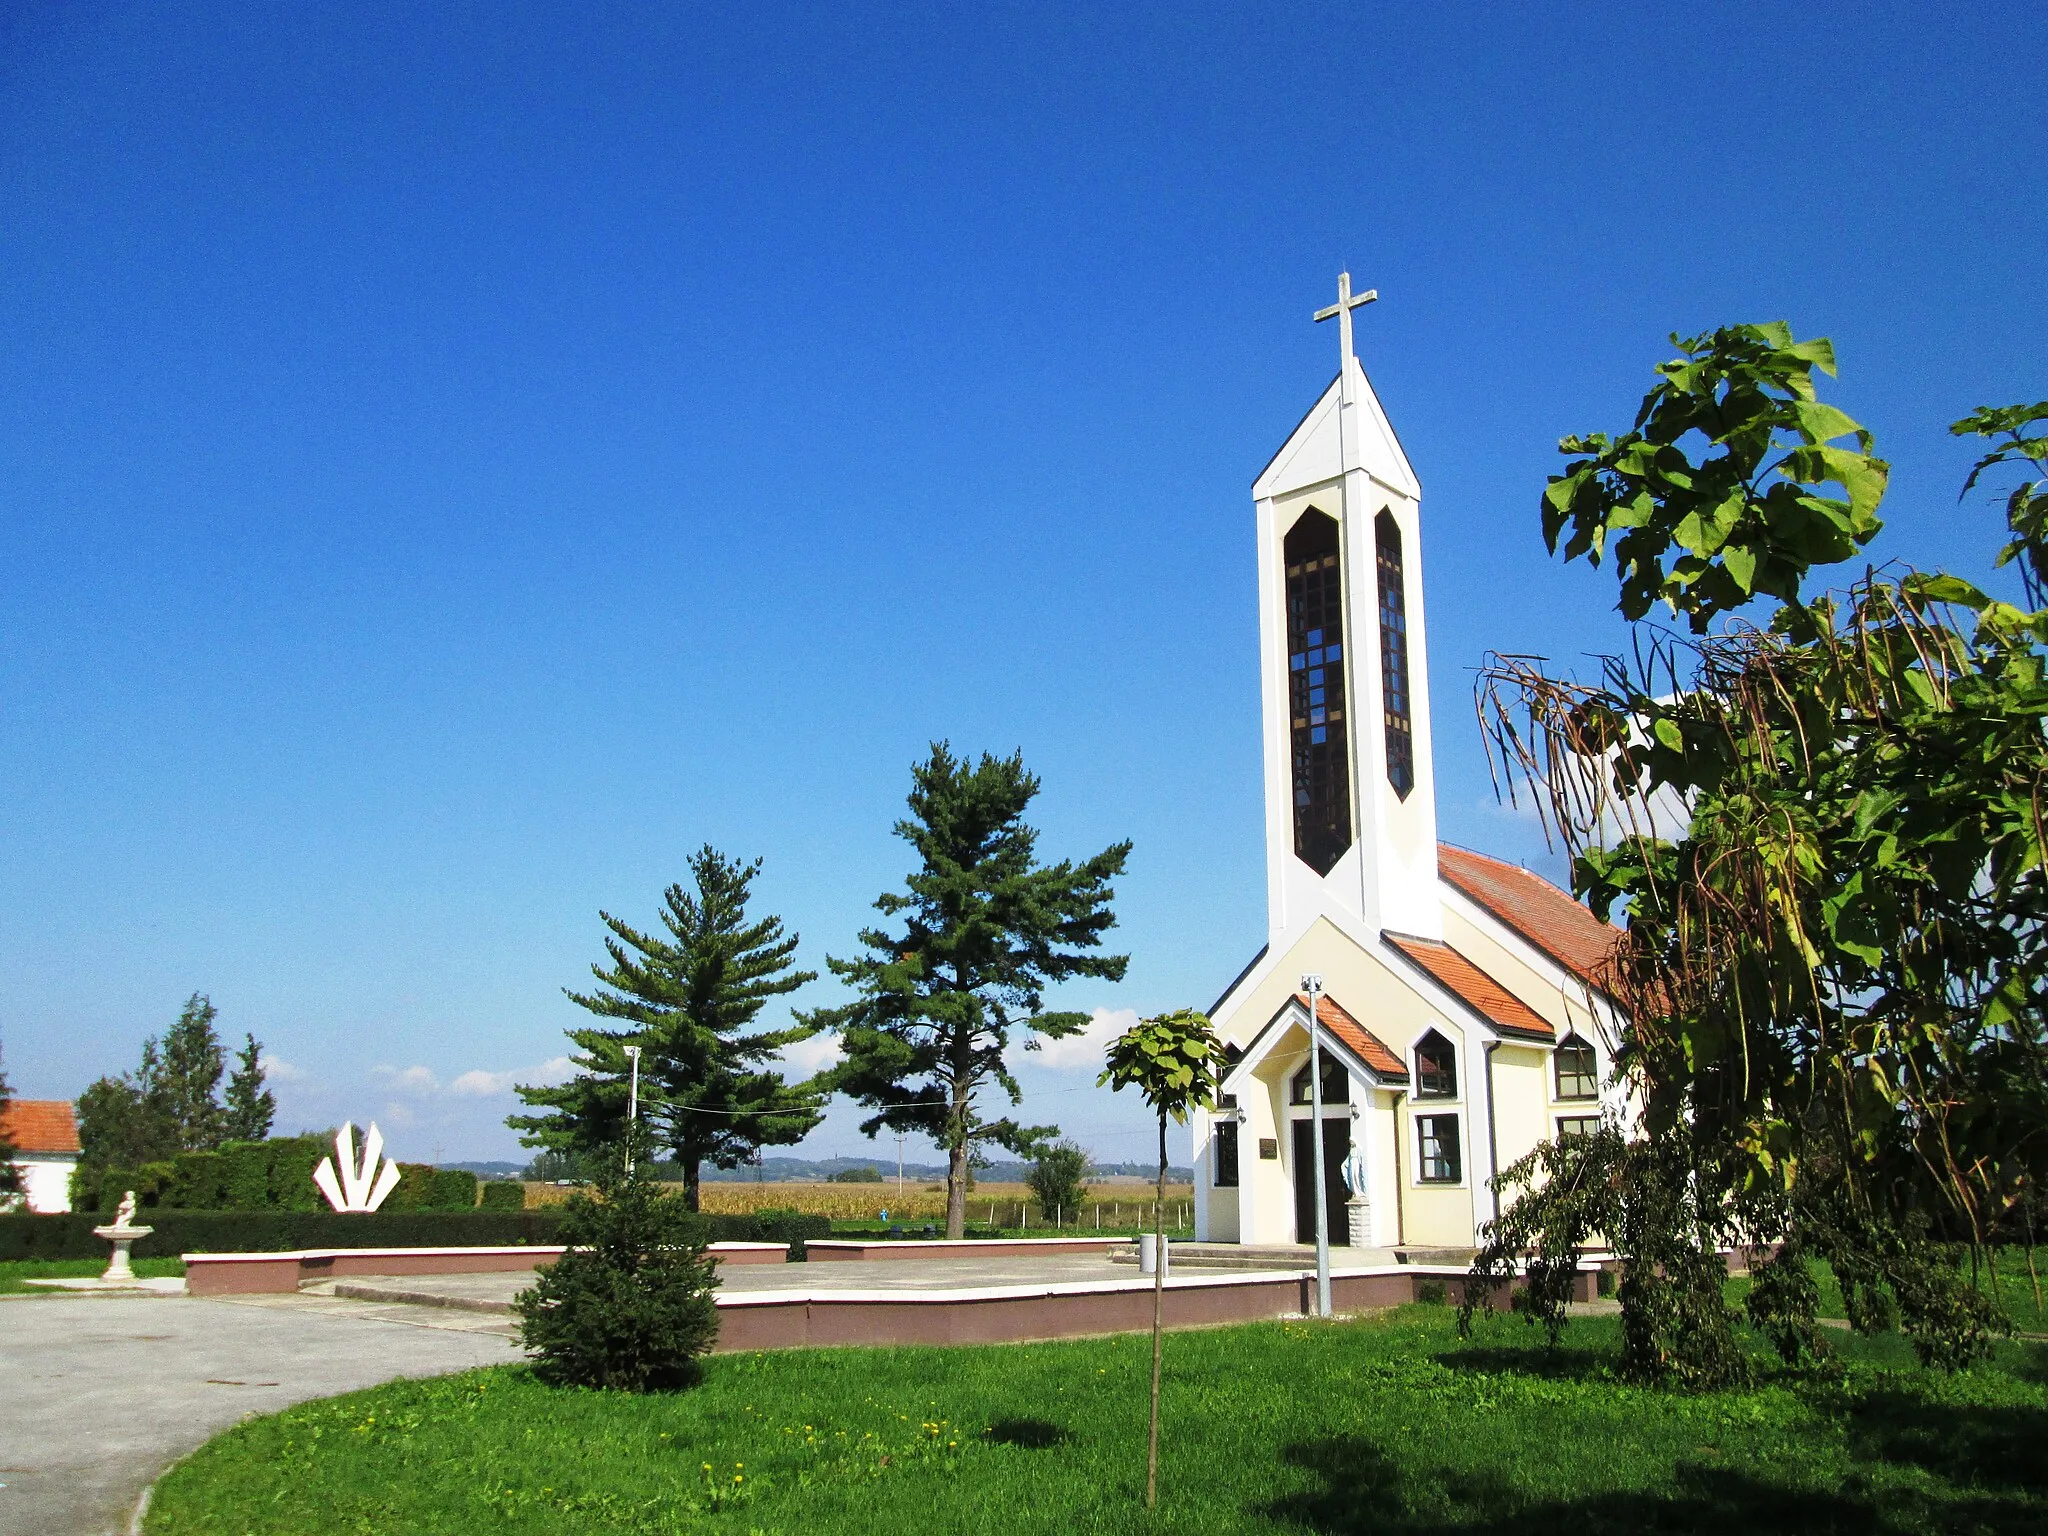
(986, 929)
(1171, 1060)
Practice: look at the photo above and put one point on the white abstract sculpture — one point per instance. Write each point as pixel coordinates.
(362, 1186)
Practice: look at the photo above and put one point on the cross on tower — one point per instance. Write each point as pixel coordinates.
(1341, 310)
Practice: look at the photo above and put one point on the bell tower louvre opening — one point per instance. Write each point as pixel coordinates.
(1315, 671)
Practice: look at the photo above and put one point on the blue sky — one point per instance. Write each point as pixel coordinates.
(455, 460)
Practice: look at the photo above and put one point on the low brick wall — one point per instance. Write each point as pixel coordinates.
(243, 1274)
(842, 1250)
(797, 1319)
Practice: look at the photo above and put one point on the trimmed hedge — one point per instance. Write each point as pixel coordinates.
(69, 1236)
(273, 1175)
(507, 1196)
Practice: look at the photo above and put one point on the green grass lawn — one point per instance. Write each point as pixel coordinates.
(1390, 1424)
(2014, 1291)
(13, 1272)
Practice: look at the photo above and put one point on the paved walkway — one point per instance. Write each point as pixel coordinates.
(98, 1394)
(494, 1292)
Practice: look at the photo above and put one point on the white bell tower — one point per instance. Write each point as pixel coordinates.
(1344, 668)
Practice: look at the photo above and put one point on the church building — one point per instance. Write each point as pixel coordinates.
(1462, 1019)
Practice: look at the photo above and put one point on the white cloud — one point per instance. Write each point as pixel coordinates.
(278, 1070)
(814, 1055)
(479, 1084)
(1084, 1050)
(408, 1079)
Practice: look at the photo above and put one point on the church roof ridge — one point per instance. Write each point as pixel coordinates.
(1504, 1012)
(1540, 912)
(1364, 1044)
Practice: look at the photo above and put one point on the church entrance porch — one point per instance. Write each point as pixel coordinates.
(1336, 1198)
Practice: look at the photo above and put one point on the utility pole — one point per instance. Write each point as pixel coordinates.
(632, 1102)
(1313, 986)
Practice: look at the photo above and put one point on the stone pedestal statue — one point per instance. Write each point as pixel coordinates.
(1359, 1210)
(122, 1234)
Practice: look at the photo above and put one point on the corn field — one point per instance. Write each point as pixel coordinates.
(1009, 1206)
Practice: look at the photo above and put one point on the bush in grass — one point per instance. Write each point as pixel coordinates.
(1057, 1177)
(629, 1306)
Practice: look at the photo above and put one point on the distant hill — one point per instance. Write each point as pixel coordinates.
(796, 1170)
(489, 1170)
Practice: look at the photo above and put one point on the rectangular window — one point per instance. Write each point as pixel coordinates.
(1440, 1161)
(1223, 1152)
(1571, 1126)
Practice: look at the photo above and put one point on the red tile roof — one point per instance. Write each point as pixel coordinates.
(1534, 908)
(39, 1125)
(1473, 987)
(1362, 1042)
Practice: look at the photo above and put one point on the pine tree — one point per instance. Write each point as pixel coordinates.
(251, 1107)
(687, 1001)
(986, 929)
(193, 1064)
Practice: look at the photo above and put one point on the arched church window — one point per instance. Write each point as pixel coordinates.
(1436, 1068)
(1336, 1084)
(1315, 672)
(1578, 1069)
(1394, 654)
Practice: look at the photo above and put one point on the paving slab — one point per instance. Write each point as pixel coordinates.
(98, 1394)
(494, 1292)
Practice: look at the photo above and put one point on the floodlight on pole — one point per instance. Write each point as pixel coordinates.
(1313, 986)
(632, 1101)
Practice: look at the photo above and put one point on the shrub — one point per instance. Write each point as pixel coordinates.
(630, 1306)
(504, 1196)
(452, 1189)
(1056, 1177)
(276, 1174)
(866, 1174)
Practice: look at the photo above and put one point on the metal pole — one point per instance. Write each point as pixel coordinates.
(1313, 986)
(632, 1102)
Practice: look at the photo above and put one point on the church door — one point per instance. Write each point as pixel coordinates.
(1336, 1148)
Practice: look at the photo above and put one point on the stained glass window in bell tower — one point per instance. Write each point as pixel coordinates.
(1394, 655)
(1315, 691)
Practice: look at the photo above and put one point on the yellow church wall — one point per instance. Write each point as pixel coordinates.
(1354, 978)
(1521, 1100)
(1562, 1007)
(1433, 1215)
(1272, 1195)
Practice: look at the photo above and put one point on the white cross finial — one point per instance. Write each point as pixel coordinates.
(1341, 312)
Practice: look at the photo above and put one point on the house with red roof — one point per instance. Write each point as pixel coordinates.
(44, 1135)
(1460, 1017)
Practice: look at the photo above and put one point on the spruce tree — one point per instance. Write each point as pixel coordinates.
(192, 1067)
(986, 929)
(687, 1000)
(251, 1107)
